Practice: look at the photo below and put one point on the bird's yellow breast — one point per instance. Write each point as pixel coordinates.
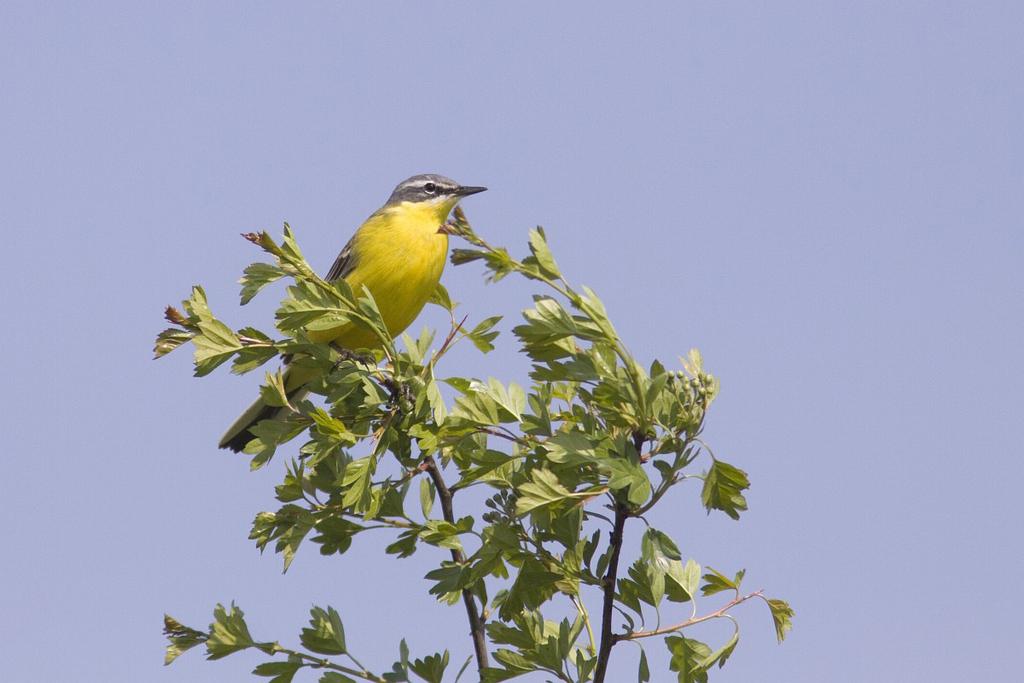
(399, 256)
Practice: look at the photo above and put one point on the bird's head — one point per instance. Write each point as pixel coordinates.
(432, 191)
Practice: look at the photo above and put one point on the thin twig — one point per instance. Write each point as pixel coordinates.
(395, 523)
(455, 329)
(591, 513)
(578, 601)
(504, 434)
(322, 663)
(476, 624)
(691, 621)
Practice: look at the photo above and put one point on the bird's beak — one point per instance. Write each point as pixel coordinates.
(466, 190)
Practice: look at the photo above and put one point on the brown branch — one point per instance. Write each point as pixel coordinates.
(455, 329)
(503, 433)
(691, 621)
(607, 637)
(476, 624)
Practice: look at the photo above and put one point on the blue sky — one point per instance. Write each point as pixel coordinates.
(825, 198)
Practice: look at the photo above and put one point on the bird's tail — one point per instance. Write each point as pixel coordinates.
(240, 432)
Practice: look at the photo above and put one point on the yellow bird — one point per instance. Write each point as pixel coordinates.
(398, 253)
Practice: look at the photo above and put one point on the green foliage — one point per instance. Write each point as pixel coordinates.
(722, 489)
(598, 439)
(325, 634)
(687, 657)
(228, 633)
(782, 616)
(716, 582)
(431, 668)
(180, 638)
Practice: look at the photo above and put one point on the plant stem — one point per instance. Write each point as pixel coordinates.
(455, 329)
(578, 601)
(607, 637)
(476, 624)
(691, 621)
(322, 663)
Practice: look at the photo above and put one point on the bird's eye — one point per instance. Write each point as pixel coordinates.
(430, 188)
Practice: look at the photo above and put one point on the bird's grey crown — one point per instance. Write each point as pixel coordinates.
(415, 189)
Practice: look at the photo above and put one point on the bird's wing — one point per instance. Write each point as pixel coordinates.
(344, 264)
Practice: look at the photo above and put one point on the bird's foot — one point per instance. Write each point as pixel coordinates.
(349, 355)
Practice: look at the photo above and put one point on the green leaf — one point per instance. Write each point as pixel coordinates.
(482, 335)
(196, 305)
(288, 527)
(643, 673)
(170, 339)
(431, 668)
(512, 399)
(405, 545)
(357, 480)
(426, 496)
(543, 489)
(627, 473)
(657, 546)
(462, 256)
(570, 448)
(498, 262)
(534, 585)
(214, 345)
(541, 254)
(547, 324)
(723, 487)
(450, 578)
(658, 552)
(335, 534)
(476, 405)
(416, 350)
(643, 584)
(313, 308)
(325, 635)
(539, 423)
(369, 314)
(436, 401)
(490, 466)
(495, 675)
(445, 534)
(256, 277)
(440, 297)
(228, 633)
(462, 670)
(269, 434)
(273, 392)
(403, 654)
(682, 581)
(181, 637)
(716, 582)
(580, 367)
(782, 617)
(335, 677)
(585, 665)
(520, 635)
(278, 672)
(252, 355)
(686, 657)
(721, 654)
(513, 660)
